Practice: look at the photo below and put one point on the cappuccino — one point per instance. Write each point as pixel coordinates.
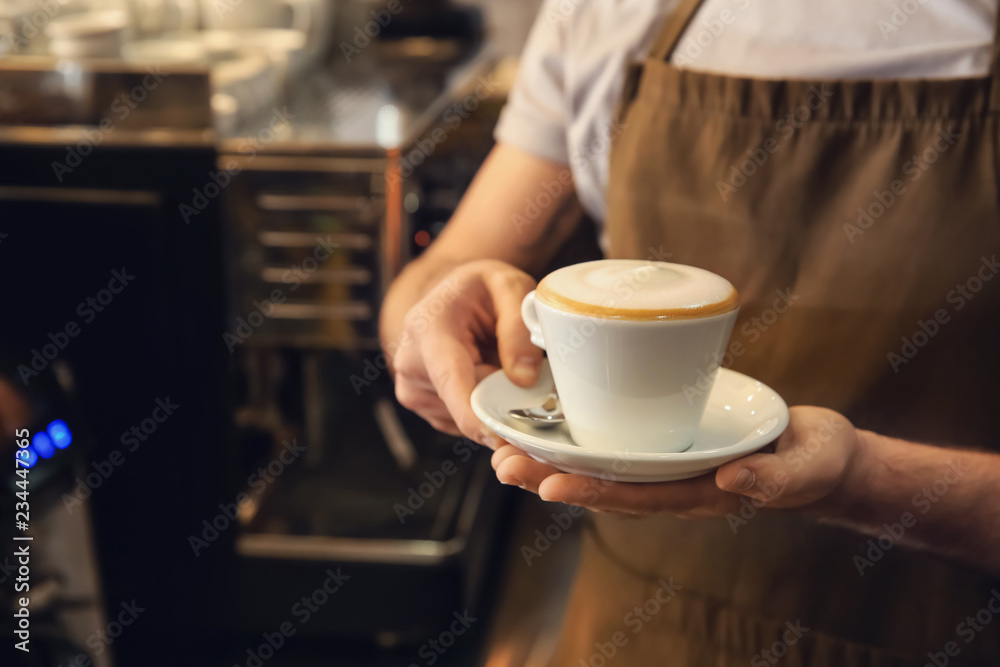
(625, 339)
(626, 289)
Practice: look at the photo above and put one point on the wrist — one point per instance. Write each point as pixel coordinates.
(862, 468)
(853, 491)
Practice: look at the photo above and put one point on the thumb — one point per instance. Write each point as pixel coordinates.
(521, 359)
(797, 476)
(760, 476)
(812, 459)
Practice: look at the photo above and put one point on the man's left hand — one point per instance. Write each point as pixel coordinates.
(816, 456)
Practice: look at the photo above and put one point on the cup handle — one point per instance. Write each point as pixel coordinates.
(530, 316)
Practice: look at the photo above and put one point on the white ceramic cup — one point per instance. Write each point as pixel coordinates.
(91, 34)
(251, 14)
(629, 385)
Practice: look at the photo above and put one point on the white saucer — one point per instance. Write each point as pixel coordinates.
(742, 416)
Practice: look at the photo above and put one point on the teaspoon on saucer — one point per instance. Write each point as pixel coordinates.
(545, 415)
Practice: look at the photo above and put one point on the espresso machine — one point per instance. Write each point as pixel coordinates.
(359, 484)
(261, 249)
(341, 483)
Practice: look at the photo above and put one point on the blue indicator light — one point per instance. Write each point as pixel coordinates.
(42, 443)
(27, 457)
(60, 434)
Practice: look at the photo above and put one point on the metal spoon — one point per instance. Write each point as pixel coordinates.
(546, 415)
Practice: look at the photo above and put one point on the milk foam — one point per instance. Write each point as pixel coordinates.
(637, 288)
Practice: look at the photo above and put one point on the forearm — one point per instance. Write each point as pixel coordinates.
(492, 222)
(943, 500)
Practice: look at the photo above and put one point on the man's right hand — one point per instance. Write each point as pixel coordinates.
(454, 314)
(462, 330)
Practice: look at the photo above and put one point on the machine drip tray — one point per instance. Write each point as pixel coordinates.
(408, 529)
(321, 515)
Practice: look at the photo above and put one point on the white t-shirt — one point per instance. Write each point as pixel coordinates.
(572, 67)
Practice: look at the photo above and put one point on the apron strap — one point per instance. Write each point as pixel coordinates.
(673, 28)
(995, 68)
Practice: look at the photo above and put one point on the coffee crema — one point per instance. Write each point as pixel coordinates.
(631, 289)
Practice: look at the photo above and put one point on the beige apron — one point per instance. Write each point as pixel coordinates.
(871, 207)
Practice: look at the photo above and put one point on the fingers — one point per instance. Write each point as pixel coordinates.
(502, 453)
(518, 469)
(427, 405)
(770, 478)
(521, 359)
(451, 371)
(694, 497)
(808, 461)
(690, 496)
(418, 393)
(751, 476)
(435, 376)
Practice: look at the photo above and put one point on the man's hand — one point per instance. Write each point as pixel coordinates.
(458, 333)
(813, 459)
(825, 468)
(445, 316)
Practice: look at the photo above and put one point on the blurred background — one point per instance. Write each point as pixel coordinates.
(202, 203)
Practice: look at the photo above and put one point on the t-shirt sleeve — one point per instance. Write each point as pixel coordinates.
(534, 118)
